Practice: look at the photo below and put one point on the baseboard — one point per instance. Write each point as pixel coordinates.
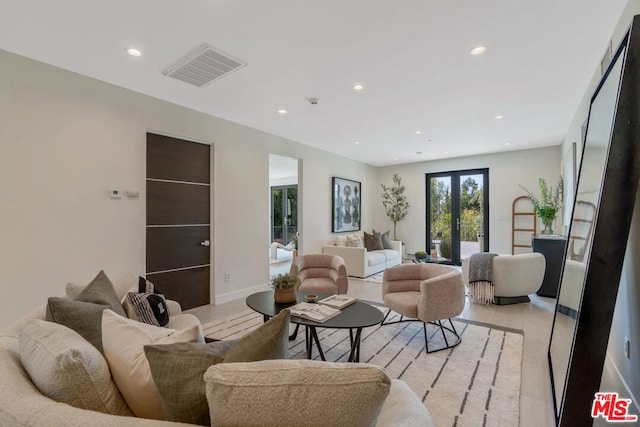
(240, 293)
(510, 300)
(610, 365)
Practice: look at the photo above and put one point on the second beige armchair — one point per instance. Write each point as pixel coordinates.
(321, 273)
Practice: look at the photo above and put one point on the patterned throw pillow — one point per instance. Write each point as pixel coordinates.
(148, 305)
(354, 241)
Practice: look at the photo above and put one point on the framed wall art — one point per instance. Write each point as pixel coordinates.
(346, 206)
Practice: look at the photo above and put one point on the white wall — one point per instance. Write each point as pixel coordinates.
(66, 139)
(622, 374)
(506, 171)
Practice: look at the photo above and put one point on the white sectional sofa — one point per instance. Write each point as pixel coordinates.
(362, 263)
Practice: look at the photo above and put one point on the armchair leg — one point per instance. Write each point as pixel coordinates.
(443, 330)
(294, 335)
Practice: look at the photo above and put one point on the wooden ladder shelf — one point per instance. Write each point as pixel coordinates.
(520, 215)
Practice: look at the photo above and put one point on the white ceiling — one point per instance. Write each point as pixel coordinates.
(411, 55)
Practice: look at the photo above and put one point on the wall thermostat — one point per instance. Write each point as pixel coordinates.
(115, 194)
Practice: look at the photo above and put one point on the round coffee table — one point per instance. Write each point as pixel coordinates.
(356, 316)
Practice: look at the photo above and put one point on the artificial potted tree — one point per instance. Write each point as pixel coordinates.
(395, 202)
(284, 287)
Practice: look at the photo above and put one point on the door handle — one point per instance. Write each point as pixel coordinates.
(205, 243)
(458, 223)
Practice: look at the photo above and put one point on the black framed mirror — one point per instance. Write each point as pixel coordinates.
(607, 182)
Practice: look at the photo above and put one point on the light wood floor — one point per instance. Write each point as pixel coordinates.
(534, 318)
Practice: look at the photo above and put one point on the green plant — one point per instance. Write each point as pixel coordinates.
(549, 203)
(420, 255)
(445, 248)
(394, 201)
(284, 282)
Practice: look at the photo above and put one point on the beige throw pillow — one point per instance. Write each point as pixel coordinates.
(123, 341)
(66, 368)
(354, 241)
(295, 393)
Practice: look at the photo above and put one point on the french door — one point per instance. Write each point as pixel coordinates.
(284, 213)
(457, 214)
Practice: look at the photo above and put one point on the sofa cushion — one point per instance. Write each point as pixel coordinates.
(295, 393)
(390, 254)
(84, 313)
(66, 368)
(177, 369)
(124, 340)
(376, 258)
(373, 242)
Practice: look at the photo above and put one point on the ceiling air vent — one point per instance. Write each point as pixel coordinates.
(203, 66)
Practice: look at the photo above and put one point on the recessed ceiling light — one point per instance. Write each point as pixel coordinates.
(445, 152)
(356, 142)
(499, 117)
(134, 52)
(395, 158)
(507, 144)
(418, 132)
(358, 86)
(282, 111)
(429, 140)
(478, 50)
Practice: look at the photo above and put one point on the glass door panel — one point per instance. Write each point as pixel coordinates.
(284, 213)
(471, 215)
(440, 226)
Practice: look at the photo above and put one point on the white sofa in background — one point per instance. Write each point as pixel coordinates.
(362, 263)
(514, 276)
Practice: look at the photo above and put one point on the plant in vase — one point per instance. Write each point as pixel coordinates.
(284, 287)
(395, 202)
(548, 205)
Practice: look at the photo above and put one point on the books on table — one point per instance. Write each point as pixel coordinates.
(337, 301)
(315, 312)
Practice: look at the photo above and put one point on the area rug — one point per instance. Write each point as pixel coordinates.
(476, 383)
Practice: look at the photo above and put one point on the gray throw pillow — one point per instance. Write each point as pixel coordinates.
(385, 238)
(178, 369)
(84, 314)
(372, 242)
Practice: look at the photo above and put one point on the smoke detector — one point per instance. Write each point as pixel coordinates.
(313, 101)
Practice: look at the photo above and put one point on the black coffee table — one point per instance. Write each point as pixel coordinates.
(355, 316)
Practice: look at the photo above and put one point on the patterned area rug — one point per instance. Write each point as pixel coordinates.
(476, 383)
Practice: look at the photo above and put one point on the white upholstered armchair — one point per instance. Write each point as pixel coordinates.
(514, 276)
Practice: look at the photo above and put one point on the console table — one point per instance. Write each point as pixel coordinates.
(552, 247)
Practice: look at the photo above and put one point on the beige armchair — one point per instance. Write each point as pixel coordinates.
(431, 293)
(320, 273)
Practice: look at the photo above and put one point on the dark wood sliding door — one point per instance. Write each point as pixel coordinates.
(178, 219)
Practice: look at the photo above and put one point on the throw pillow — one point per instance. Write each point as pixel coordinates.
(372, 242)
(124, 340)
(66, 368)
(386, 239)
(177, 369)
(341, 241)
(148, 305)
(351, 394)
(84, 313)
(354, 241)
(147, 308)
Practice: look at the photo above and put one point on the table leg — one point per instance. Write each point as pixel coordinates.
(354, 356)
(314, 335)
(308, 343)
